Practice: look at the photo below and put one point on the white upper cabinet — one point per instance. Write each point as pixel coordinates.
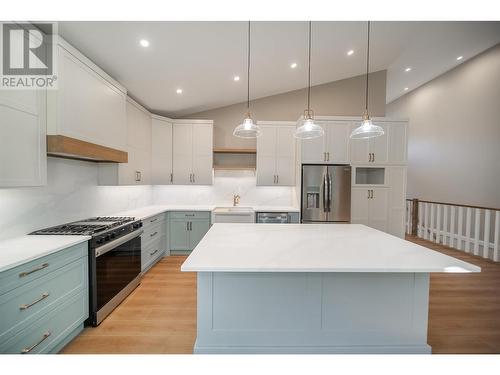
(276, 154)
(192, 152)
(161, 158)
(332, 148)
(23, 160)
(88, 105)
(23, 119)
(388, 149)
(138, 145)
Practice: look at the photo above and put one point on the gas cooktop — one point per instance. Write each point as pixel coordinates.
(87, 227)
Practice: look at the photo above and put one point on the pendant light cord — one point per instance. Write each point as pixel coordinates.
(367, 66)
(248, 72)
(309, 74)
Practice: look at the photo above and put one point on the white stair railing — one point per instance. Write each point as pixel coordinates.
(467, 228)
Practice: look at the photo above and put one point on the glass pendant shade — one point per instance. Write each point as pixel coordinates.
(308, 129)
(247, 129)
(367, 129)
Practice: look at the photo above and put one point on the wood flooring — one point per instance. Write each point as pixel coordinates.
(160, 315)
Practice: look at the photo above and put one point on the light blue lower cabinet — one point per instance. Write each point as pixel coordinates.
(42, 314)
(186, 229)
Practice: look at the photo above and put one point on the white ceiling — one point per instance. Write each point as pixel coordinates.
(203, 57)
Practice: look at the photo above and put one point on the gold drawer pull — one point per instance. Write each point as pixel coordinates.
(24, 307)
(153, 253)
(153, 234)
(23, 274)
(29, 349)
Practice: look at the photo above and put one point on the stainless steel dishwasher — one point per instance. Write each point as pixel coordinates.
(277, 217)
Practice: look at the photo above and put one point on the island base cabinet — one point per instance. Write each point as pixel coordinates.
(309, 313)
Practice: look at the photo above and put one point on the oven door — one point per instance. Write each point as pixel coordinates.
(115, 272)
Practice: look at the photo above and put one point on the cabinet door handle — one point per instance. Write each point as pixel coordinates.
(153, 234)
(373, 159)
(190, 226)
(30, 348)
(39, 268)
(277, 178)
(171, 177)
(328, 156)
(187, 225)
(368, 195)
(153, 220)
(137, 176)
(194, 180)
(27, 306)
(190, 178)
(153, 253)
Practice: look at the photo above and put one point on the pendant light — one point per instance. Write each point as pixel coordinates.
(248, 129)
(367, 129)
(307, 129)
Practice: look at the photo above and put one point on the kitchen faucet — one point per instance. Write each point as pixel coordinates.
(236, 199)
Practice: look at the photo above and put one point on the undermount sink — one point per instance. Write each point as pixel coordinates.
(232, 209)
(233, 215)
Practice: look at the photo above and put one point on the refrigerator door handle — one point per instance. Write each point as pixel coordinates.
(325, 199)
(329, 192)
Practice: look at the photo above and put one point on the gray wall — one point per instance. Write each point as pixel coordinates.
(454, 137)
(340, 98)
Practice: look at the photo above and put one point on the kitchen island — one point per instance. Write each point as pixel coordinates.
(316, 288)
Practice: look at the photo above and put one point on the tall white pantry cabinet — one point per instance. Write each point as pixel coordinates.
(379, 167)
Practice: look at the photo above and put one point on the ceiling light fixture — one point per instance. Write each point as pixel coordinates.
(350, 52)
(459, 58)
(144, 43)
(406, 88)
(306, 128)
(248, 129)
(293, 65)
(178, 91)
(236, 78)
(408, 69)
(367, 129)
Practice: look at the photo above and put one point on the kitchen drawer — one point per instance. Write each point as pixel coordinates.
(46, 334)
(20, 275)
(152, 252)
(151, 233)
(153, 220)
(22, 306)
(190, 215)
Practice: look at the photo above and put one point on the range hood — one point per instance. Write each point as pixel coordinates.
(71, 148)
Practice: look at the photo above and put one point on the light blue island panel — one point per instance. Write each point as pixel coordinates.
(312, 312)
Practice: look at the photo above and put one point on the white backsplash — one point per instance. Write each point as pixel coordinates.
(226, 183)
(72, 193)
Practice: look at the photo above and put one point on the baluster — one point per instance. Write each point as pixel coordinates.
(451, 242)
(432, 229)
(420, 219)
(445, 225)
(496, 242)
(468, 229)
(477, 222)
(438, 224)
(426, 223)
(486, 237)
(460, 227)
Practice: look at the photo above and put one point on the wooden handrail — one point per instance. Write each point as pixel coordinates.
(455, 204)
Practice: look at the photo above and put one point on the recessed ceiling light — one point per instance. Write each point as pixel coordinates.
(236, 78)
(350, 52)
(408, 69)
(406, 88)
(144, 42)
(293, 65)
(178, 91)
(459, 58)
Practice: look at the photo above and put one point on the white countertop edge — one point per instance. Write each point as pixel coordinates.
(327, 270)
(22, 259)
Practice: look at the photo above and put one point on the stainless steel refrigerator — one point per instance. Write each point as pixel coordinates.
(326, 193)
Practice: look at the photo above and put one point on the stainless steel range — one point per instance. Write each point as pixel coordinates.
(114, 259)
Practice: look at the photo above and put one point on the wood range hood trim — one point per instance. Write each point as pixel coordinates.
(71, 148)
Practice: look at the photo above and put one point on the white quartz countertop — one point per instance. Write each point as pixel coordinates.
(23, 249)
(313, 248)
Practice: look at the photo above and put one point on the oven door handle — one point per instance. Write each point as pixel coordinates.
(113, 244)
